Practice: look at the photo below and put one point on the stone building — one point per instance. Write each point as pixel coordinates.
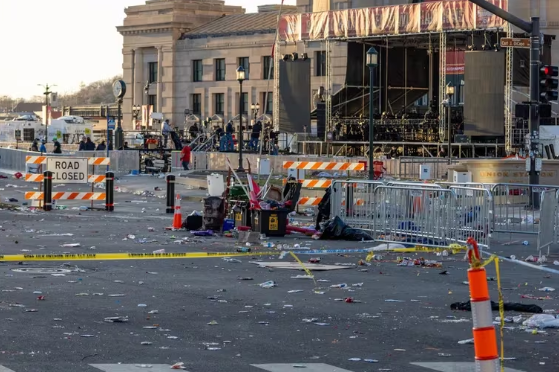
(188, 53)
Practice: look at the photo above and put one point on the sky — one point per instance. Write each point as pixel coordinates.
(65, 42)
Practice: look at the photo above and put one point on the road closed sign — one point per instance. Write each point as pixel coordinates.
(68, 170)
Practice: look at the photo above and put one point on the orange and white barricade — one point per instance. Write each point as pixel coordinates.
(46, 179)
(485, 336)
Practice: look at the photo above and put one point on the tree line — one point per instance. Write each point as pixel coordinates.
(98, 92)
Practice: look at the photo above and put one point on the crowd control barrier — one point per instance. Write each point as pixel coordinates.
(70, 170)
(444, 212)
(419, 213)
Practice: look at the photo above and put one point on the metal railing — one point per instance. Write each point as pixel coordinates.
(443, 213)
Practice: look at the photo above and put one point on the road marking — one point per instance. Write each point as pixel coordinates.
(130, 367)
(308, 367)
(4, 369)
(455, 367)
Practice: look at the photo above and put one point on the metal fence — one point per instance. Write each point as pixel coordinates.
(414, 213)
(548, 220)
(353, 202)
(408, 215)
(437, 214)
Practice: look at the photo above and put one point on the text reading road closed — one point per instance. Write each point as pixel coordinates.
(68, 170)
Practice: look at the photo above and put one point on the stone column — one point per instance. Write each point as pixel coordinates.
(133, 87)
(139, 80)
(159, 78)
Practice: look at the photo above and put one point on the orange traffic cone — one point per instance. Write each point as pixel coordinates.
(177, 218)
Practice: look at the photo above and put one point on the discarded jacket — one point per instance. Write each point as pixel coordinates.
(509, 306)
(336, 229)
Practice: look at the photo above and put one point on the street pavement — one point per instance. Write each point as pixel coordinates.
(199, 311)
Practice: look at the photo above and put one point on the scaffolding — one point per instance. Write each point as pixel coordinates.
(442, 87)
(509, 82)
(329, 46)
(276, 93)
(329, 87)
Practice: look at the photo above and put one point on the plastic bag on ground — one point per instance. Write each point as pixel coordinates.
(542, 321)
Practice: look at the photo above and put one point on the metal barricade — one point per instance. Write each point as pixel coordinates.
(353, 202)
(548, 219)
(512, 212)
(418, 216)
(417, 185)
(471, 214)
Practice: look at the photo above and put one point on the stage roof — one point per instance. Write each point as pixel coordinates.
(428, 17)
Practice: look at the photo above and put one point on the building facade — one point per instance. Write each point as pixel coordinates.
(181, 56)
(188, 72)
(150, 34)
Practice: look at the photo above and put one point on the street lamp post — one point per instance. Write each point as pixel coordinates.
(255, 109)
(450, 90)
(240, 79)
(47, 93)
(372, 62)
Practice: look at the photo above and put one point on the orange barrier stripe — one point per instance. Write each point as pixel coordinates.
(485, 343)
(34, 178)
(479, 290)
(288, 164)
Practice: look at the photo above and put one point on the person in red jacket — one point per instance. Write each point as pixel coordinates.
(185, 156)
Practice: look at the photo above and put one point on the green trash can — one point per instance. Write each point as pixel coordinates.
(270, 223)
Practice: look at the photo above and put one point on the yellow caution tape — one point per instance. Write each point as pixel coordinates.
(127, 256)
(453, 248)
(309, 273)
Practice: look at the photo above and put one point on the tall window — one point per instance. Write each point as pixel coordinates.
(243, 61)
(152, 101)
(320, 63)
(270, 103)
(220, 69)
(197, 104)
(244, 103)
(152, 73)
(219, 103)
(267, 62)
(197, 70)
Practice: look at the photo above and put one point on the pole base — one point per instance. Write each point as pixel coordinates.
(170, 210)
(240, 170)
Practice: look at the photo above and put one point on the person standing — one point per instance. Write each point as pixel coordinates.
(255, 135)
(101, 146)
(43, 148)
(82, 144)
(165, 132)
(35, 146)
(57, 146)
(89, 146)
(185, 156)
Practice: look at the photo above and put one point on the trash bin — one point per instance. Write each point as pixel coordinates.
(242, 215)
(270, 223)
(214, 213)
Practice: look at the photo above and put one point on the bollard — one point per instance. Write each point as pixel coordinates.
(47, 185)
(485, 336)
(109, 192)
(170, 194)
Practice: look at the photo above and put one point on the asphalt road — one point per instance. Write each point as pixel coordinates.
(198, 311)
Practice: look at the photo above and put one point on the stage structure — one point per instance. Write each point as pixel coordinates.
(438, 27)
